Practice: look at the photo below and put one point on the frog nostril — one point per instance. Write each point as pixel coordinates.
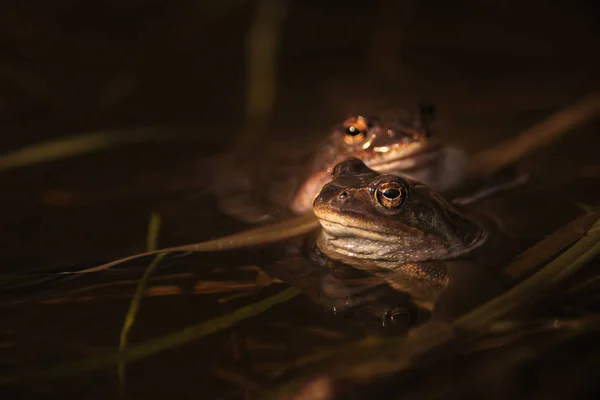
(343, 195)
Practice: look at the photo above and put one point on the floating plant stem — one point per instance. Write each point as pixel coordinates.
(252, 237)
(380, 357)
(548, 277)
(539, 135)
(552, 244)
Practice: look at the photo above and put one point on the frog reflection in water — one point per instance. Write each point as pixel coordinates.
(404, 146)
(407, 233)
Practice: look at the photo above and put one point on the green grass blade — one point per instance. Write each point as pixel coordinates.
(363, 361)
(153, 231)
(73, 146)
(136, 302)
(132, 313)
(154, 346)
(252, 237)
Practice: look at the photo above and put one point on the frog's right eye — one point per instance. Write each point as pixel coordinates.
(391, 194)
(355, 130)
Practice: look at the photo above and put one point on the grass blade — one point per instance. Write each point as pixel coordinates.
(73, 146)
(363, 361)
(154, 346)
(252, 237)
(132, 313)
(136, 301)
(541, 134)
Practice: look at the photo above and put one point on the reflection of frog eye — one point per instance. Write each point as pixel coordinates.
(390, 195)
(355, 130)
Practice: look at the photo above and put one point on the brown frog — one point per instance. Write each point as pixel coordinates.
(397, 147)
(406, 232)
(403, 146)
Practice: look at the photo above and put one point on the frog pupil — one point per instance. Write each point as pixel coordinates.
(391, 194)
(353, 131)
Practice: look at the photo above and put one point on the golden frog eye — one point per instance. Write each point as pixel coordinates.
(391, 195)
(355, 130)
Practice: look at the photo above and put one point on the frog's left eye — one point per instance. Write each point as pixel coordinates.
(355, 130)
(390, 195)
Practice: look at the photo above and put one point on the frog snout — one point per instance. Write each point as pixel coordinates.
(333, 197)
(341, 198)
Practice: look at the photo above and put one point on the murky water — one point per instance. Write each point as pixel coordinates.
(78, 318)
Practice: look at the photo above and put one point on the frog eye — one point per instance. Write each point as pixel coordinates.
(391, 195)
(355, 130)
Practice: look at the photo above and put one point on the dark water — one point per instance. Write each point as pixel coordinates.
(492, 69)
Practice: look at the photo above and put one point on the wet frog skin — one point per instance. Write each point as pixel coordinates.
(407, 233)
(401, 145)
(396, 146)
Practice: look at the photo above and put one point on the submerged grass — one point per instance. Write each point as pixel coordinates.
(132, 314)
(378, 357)
(154, 346)
(153, 230)
(74, 146)
(262, 45)
(558, 270)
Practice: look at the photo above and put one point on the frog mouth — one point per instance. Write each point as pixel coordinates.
(350, 241)
(357, 239)
(346, 228)
(405, 160)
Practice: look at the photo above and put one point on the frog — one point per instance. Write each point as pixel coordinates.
(403, 144)
(407, 233)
